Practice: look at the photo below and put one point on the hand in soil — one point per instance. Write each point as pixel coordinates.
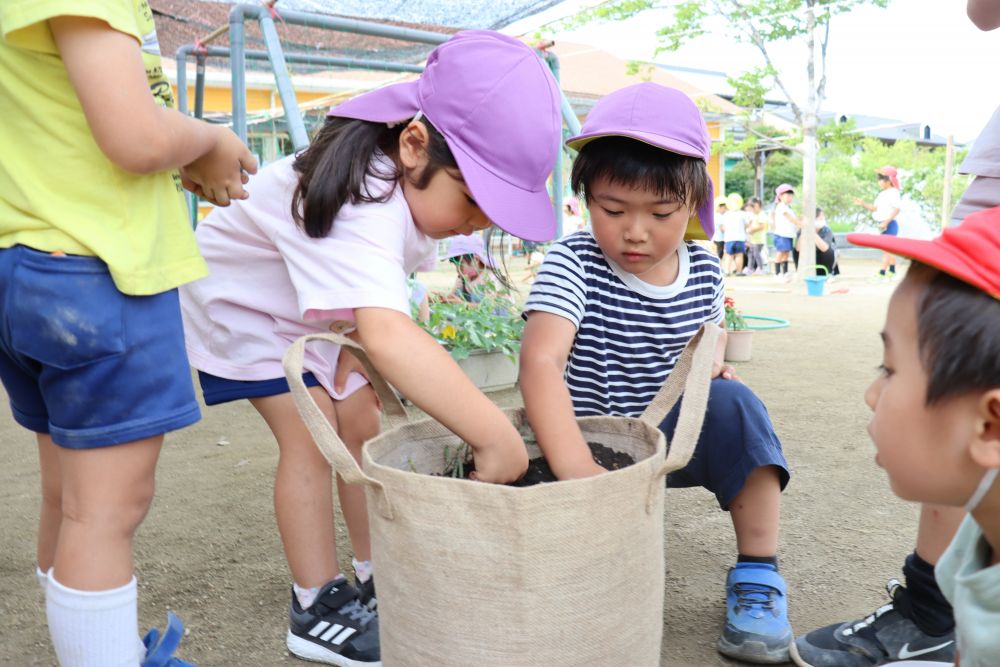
(498, 464)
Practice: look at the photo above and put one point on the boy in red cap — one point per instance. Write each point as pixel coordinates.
(936, 428)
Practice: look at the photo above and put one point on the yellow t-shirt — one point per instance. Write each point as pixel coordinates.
(58, 191)
(759, 235)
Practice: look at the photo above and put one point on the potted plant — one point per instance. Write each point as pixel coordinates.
(484, 338)
(739, 336)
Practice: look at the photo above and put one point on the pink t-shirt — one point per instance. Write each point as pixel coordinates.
(269, 283)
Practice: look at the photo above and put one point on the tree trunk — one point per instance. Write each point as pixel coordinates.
(807, 249)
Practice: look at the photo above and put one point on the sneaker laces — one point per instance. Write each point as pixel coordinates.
(357, 612)
(892, 587)
(751, 596)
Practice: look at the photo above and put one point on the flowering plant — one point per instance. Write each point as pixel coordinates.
(492, 325)
(734, 318)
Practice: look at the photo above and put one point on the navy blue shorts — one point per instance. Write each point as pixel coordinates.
(736, 439)
(82, 361)
(736, 247)
(217, 390)
(892, 229)
(783, 243)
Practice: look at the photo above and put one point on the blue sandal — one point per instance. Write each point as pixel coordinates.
(160, 648)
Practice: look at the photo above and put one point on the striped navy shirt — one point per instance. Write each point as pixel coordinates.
(629, 333)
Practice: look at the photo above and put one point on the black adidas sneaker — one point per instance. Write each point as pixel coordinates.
(337, 629)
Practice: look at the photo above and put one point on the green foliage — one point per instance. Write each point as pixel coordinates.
(734, 318)
(492, 325)
(779, 168)
(750, 87)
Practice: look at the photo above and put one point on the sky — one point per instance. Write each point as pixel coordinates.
(918, 61)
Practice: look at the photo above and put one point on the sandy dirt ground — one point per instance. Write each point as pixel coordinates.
(209, 549)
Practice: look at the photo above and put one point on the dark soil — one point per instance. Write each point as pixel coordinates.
(539, 471)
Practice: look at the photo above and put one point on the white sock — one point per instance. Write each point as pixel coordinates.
(362, 569)
(94, 628)
(42, 577)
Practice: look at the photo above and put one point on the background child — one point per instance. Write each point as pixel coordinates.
(473, 266)
(786, 224)
(757, 237)
(327, 243)
(95, 242)
(826, 247)
(610, 314)
(718, 236)
(884, 210)
(734, 235)
(936, 428)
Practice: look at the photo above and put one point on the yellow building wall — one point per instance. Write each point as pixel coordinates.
(715, 163)
(219, 99)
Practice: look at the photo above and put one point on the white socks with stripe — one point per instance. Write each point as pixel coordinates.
(94, 628)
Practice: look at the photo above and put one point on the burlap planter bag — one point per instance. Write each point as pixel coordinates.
(481, 575)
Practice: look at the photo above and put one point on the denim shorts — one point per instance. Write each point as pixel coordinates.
(216, 390)
(85, 363)
(783, 243)
(736, 247)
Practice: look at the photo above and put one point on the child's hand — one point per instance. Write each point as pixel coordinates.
(500, 463)
(858, 201)
(218, 175)
(586, 468)
(725, 371)
(347, 363)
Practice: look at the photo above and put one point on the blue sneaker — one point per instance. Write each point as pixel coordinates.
(757, 628)
(160, 648)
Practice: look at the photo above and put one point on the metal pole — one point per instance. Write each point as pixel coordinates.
(557, 171)
(199, 85)
(238, 64)
(309, 59)
(949, 160)
(293, 117)
(182, 90)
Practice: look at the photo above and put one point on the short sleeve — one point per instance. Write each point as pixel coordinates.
(23, 23)
(560, 287)
(359, 264)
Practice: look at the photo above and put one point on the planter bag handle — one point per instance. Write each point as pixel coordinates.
(691, 377)
(324, 435)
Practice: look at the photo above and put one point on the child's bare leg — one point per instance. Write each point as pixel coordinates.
(938, 525)
(755, 512)
(359, 420)
(106, 493)
(739, 262)
(303, 490)
(50, 513)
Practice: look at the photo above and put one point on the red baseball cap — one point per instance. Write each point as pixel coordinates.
(969, 252)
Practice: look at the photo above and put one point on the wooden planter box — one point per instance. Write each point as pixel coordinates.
(490, 371)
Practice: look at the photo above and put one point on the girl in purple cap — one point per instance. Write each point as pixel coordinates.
(325, 243)
(610, 314)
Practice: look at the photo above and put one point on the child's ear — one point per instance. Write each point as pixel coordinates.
(985, 449)
(413, 141)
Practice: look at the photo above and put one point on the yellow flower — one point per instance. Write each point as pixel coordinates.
(449, 332)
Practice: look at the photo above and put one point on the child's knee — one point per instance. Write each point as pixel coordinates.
(361, 420)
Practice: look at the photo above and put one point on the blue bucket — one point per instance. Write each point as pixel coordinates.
(815, 285)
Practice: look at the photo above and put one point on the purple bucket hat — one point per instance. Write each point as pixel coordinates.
(498, 107)
(659, 116)
(468, 245)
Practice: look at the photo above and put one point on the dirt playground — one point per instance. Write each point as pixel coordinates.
(209, 549)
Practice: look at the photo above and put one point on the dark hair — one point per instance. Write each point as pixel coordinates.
(755, 200)
(636, 164)
(883, 177)
(334, 168)
(819, 211)
(957, 327)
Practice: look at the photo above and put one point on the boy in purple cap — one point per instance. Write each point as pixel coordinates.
(326, 242)
(610, 313)
(936, 428)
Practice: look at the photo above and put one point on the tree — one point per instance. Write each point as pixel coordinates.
(760, 23)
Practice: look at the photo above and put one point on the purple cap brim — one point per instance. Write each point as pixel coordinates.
(524, 213)
(399, 101)
(666, 143)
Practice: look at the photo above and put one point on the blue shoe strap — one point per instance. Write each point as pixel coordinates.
(160, 654)
(763, 576)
